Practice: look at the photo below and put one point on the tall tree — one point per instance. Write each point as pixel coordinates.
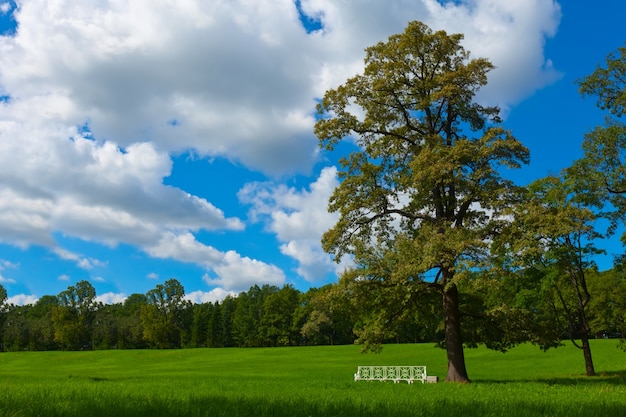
(42, 327)
(276, 324)
(246, 320)
(73, 317)
(424, 184)
(166, 316)
(3, 297)
(130, 326)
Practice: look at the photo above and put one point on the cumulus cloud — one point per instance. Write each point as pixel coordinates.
(133, 68)
(22, 300)
(237, 273)
(511, 34)
(97, 95)
(298, 218)
(111, 298)
(213, 296)
(233, 272)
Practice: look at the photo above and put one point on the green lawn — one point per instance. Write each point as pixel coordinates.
(308, 381)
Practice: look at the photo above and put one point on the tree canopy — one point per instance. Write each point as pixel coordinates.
(423, 193)
(603, 166)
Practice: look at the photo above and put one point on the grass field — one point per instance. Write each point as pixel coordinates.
(308, 381)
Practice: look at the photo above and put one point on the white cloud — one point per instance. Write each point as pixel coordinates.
(22, 299)
(151, 78)
(152, 275)
(130, 68)
(81, 262)
(298, 218)
(512, 35)
(237, 273)
(111, 298)
(5, 280)
(5, 7)
(4, 264)
(234, 272)
(186, 248)
(8, 264)
(64, 277)
(213, 296)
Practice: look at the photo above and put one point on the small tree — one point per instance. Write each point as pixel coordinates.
(555, 234)
(422, 194)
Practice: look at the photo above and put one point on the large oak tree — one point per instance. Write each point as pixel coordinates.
(420, 199)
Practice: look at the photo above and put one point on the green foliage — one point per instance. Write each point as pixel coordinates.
(72, 318)
(553, 235)
(608, 84)
(423, 193)
(602, 169)
(166, 316)
(608, 304)
(330, 318)
(3, 296)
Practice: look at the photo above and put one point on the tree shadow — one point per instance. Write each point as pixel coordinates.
(605, 377)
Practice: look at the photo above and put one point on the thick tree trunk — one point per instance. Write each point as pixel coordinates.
(454, 343)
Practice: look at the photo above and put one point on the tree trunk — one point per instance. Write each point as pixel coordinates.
(589, 369)
(454, 343)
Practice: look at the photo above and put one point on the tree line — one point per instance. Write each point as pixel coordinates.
(263, 316)
(269, 316)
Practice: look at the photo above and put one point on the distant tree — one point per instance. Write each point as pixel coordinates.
(331, 316)
(421, 197)
(72, 318)
(42, 326)
(275, 326)
(246, 321)
(607, 308)
(201, 314)
(16, 328)
(106, 327)
(129, 322)
(227, 312)
(215, 326)
(3, 297)
(165, 317)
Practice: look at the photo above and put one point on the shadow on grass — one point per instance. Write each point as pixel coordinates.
(221, 406)
(607, 377)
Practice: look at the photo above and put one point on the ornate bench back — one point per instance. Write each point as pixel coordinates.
(393, 373)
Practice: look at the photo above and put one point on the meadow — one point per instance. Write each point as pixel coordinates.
(309, 381)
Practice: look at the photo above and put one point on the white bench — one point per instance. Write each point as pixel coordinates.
(393, 373)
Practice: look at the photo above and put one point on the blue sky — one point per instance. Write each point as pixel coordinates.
(159, 139)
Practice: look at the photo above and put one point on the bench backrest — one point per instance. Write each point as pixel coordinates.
(382, 373)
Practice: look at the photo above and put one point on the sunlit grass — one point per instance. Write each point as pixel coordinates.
(311, 381)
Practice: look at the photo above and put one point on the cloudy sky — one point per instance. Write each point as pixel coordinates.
(148, 139)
